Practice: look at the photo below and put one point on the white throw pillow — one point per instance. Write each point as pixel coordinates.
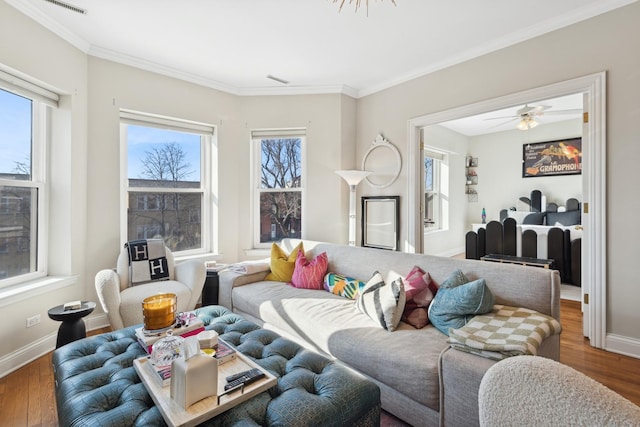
(383, 301)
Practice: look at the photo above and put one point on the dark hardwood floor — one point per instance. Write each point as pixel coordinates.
(27, 397)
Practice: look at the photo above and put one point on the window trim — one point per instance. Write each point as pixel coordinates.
(208, 179)
(441, 158)
(256, 137)
(42, 100)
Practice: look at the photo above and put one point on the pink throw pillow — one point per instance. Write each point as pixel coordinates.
(420, 291)
(310, 274)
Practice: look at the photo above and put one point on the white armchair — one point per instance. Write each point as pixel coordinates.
(123, 303)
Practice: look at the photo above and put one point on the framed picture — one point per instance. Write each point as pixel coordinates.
(380, 227)
(561, 157)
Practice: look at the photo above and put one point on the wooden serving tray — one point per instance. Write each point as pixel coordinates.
(175, 415)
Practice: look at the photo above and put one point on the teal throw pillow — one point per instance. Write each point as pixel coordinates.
(455, 279)
(456, 303)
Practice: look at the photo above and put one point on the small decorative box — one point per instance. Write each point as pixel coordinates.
(208, 339)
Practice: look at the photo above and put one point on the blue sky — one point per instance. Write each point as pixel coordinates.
(15, 139)
(142, 139)
(15, 131)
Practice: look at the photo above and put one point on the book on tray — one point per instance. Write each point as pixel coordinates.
(224, 352)
(162, 375)
(147, 340)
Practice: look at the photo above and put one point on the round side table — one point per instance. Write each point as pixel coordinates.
(72, 327)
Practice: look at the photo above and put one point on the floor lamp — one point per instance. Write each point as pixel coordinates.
(353, 178)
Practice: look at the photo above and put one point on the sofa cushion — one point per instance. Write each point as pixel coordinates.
(383, 301)
(309, 274)
(456, 303)
(283, 264)
(330, 324)
(419, 290)
(343, 286)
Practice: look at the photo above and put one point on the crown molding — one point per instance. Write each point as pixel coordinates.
(143, 64)
(527, 33)
(50, 24)
(511, 39)
(299, 90)
(112, 55)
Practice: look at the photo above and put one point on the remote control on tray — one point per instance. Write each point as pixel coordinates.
(243, 378)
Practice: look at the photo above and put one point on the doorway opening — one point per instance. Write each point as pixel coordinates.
(593, 184)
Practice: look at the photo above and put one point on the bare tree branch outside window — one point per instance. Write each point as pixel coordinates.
(280, 196)
(173, 216)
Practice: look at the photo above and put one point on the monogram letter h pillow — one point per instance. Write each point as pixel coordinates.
(147, 261)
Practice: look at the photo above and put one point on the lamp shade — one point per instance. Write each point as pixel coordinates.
(353, 177)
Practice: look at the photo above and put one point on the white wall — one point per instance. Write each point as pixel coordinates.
(600, 44)
(500, 181)
(27, 48)
(87, 153)
(330, 135)
(86, 167)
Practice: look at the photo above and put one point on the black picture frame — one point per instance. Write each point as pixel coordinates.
(380, 222)
(552, 158)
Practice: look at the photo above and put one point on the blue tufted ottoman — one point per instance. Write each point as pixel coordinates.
(97, 385)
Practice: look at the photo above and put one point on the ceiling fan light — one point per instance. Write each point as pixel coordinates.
(527, 123)
(522, 125)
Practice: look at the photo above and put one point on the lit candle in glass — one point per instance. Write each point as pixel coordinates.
(159, 311)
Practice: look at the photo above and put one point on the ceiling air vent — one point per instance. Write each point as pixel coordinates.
(67, 6)
(278, 79)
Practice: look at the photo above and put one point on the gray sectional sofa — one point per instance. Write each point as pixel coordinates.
(422, 380)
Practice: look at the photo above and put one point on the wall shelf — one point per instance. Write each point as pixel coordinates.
(471, 178)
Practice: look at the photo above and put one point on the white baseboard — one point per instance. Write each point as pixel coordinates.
(96, 321)
(623, 345)
(27, 354)
(17, 359)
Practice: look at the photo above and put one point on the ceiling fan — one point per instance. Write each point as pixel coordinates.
(526, 116)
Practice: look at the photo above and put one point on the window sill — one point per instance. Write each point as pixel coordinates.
(258, 252)
(200, 257)
(23, 291)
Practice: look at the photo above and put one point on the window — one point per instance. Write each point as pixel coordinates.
(169, 181)
(436, 189)
(279, 185)
(24, 110)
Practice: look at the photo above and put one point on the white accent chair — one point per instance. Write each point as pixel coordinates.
(123, 303)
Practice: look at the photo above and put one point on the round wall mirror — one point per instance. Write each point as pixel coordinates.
(383, 161)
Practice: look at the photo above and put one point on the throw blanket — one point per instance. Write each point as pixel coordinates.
(147, 261)
(250, 267)
(506, 331)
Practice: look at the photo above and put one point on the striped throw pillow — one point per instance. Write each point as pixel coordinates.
(383, 301)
